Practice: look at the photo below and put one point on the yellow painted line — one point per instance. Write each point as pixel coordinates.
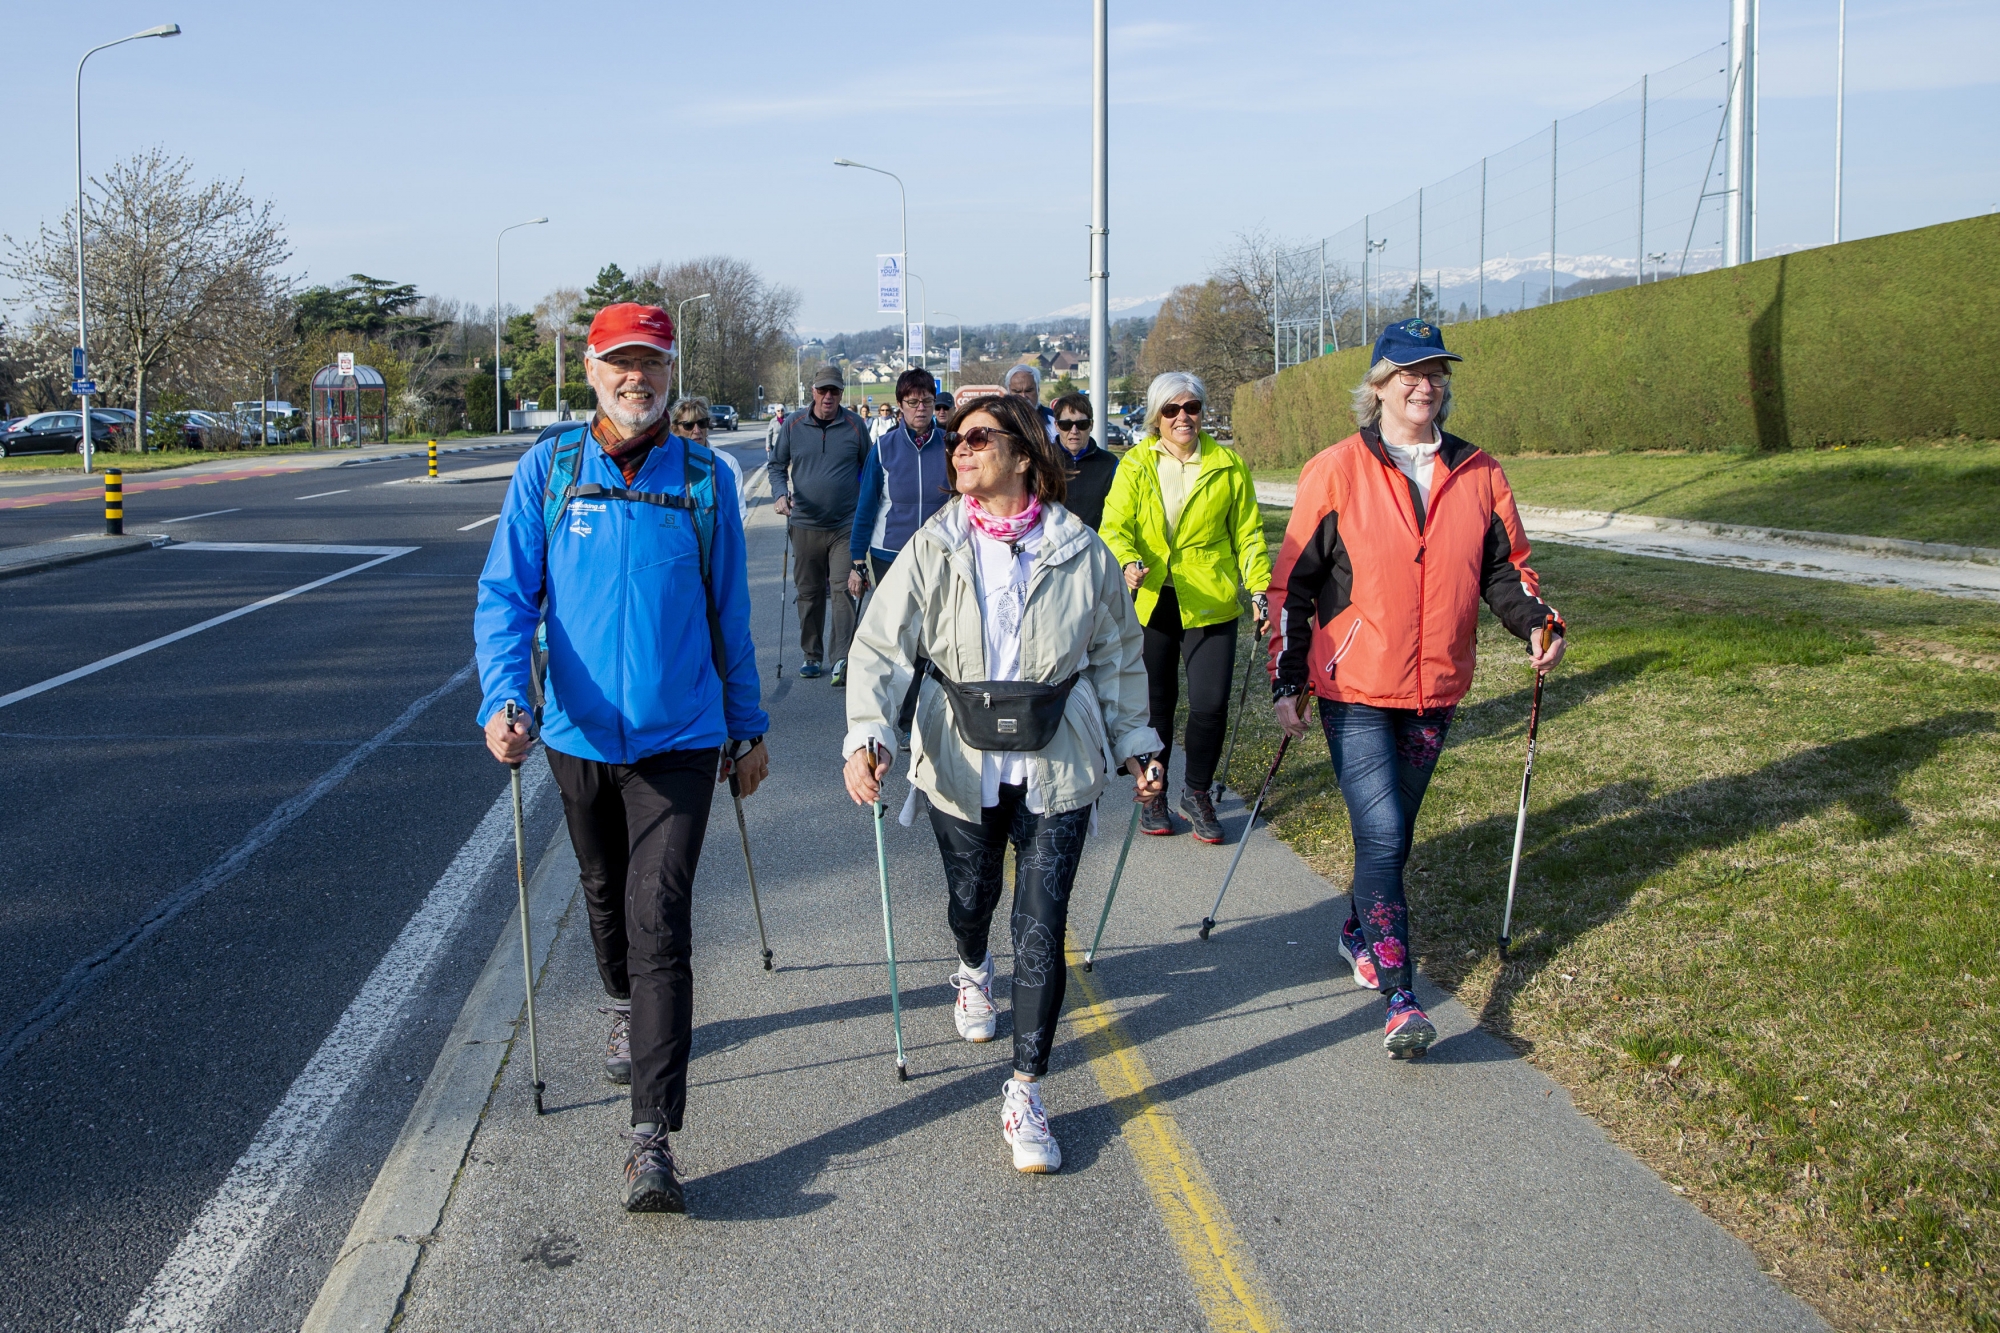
(1220, 1265)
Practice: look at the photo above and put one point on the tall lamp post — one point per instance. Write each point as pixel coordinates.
(926, 352)
(82, 320)
(959, 340)
(499, 415)
(680, 362)
(904, 198)
(1839, 113)
(799, 367)
(1100, 224)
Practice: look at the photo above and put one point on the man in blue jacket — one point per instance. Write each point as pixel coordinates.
(649, 672)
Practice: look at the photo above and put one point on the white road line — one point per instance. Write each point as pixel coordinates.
(189, 518)
(480, 524)
(101, 663)
(321, 495)
(291, 548)
(83, 978)
(189, 1285)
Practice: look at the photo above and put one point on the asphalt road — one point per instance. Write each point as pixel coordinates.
(208, 848)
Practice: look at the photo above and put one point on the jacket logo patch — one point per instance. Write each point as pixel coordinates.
(579, 511)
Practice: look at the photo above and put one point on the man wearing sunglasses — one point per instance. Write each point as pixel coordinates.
(815, 479)
(1092, 467)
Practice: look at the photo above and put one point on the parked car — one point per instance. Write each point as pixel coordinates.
(722, 417)
(1117, 436)
(61, 433)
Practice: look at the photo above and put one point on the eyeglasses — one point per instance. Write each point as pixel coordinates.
(978, 438)
(1410, 379)
(1172, 410)
(645, 365)
(1072, 423)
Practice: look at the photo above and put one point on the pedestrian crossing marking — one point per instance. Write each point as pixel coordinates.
(1224, 1273)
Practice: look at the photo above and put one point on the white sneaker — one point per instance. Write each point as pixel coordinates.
(1024, 1124)
(974, 1011)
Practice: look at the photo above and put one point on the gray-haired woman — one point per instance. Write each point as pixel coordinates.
(1182, 519)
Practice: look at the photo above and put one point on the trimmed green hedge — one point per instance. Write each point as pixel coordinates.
(1894, 337)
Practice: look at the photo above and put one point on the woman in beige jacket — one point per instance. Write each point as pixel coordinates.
(1005, 585)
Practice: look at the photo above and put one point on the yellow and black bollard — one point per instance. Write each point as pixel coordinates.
(114, 502)
(434, 460)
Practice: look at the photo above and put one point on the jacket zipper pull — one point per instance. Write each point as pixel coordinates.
(1420, 553)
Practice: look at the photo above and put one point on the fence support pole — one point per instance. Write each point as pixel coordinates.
(1482, 238)
(1642, 178)
(1555, 127)
(1420, 252)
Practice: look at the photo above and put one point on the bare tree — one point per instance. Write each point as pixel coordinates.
(184, 278)
(1220, 327)
(733, 338)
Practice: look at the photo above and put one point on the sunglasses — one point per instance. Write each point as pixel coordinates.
(1073, 423)
(1172, 410)
(828, 388)
(978, 438)
(701, 423)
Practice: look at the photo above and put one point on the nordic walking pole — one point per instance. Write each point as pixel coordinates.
(888, 919)
(1110, 894)
(743, 831)
(784, 571)
(1236, 729)
(527, 948)
(1541, 643)
(1208, 922)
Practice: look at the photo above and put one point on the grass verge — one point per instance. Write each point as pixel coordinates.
(55, 464)
(1922, 490)
(1758, 932)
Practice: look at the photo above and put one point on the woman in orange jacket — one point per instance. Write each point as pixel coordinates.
(1397, 533)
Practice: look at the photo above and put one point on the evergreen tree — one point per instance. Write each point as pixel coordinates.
(610, 287)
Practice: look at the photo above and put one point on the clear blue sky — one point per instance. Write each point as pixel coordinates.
(395, 139)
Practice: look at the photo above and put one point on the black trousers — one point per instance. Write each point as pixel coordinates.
(1046, 850)
(819, 572)
(637, 830)
(1209, 653)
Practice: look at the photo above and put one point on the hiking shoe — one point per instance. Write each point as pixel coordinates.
(1153, 817)
(839, 674)
(812, 670)
(650, 1185)
(618, 1048)
(1354, 948)
(973, 1013)
(1025, 1125)
(903, 740)
(1199, 807)
(1408, 1033)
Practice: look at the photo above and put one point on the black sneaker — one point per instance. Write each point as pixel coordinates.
(618, 1048)
(839, 677)
(1200, 811)
(650, 1185)
(1154, 820)
(812, 670)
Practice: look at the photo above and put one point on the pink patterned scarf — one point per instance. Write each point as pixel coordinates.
(1009, 530)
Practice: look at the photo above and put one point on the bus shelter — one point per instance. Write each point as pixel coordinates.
(346, 409)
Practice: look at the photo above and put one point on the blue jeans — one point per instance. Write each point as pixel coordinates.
(1383, 759)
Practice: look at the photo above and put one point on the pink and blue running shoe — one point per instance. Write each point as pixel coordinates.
(1354, 949)
(1408, 1033)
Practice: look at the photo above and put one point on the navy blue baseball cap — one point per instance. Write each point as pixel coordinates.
(1411, 341)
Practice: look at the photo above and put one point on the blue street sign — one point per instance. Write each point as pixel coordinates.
(84, 387)
(76, 363)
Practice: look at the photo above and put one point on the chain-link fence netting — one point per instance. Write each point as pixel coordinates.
(1626, 191)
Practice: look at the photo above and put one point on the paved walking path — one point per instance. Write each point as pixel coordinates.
(1239, 1152)
(1956, 571)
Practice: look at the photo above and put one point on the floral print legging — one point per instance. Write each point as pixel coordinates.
(1383, 759)
(1046, 850)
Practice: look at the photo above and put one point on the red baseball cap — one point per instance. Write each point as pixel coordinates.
(629, 324)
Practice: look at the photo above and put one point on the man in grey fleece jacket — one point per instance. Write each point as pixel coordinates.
(815, 482)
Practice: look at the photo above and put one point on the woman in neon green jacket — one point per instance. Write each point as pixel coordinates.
(1182, 519)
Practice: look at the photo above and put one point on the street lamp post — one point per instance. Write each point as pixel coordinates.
(904, 202)
(1100, 222)
(959, 339)
(680, 362)
(82, 321)
(499, 414)
(926, 352)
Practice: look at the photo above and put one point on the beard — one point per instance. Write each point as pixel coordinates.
(631, 421)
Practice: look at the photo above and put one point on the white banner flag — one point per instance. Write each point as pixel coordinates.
(916, 340)
(888, 284)
(954, 360)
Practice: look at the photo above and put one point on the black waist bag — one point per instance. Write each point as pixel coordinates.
(1005, 714)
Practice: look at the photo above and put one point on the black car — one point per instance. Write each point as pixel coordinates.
(721, 417)
(1117, 436)
(60, 433)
